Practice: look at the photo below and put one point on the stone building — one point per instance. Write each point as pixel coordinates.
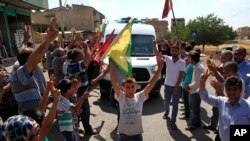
(243, 32)
(14, 14)
(81, 17)
(160, 25)
(178, 21)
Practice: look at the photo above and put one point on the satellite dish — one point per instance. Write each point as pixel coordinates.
(68, 6)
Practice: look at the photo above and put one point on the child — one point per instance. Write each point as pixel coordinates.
(73, 99)
(131, 103)
(232, 109)
(66, 110)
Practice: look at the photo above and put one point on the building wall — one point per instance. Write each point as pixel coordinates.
(178, 21)
(14, 15)
(159, 25)
(79, 16)
(243, 32)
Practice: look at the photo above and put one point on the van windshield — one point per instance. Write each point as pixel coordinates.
(141, 45)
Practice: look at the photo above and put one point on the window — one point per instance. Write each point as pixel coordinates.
(141, 45)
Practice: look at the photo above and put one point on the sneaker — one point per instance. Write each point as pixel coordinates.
(183, 117)
(209, 127)
(191, 127)
(182, 108)
(93, 132)
(165, 116)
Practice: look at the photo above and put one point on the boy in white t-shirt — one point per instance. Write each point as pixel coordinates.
(131, 103)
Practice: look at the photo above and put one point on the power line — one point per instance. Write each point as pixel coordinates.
(238, 13)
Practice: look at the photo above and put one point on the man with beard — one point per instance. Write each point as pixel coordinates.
(175, 68)
(243, 68)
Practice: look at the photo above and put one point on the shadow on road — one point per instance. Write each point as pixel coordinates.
(153, 105)
(114, 135)
(204, 116)
(198, 134)
(104, 105)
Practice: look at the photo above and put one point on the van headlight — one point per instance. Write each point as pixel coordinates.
(153, 68)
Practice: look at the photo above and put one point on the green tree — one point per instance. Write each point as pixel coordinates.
(210, 30)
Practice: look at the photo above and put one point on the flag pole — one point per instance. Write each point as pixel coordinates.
(175, 22)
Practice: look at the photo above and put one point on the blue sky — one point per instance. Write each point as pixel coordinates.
(235, 13)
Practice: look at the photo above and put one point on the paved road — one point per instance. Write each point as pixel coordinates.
(155, 128)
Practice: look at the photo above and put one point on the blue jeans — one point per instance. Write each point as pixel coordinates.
(186, 103)
(69, 136)
(124, 137)
(196, 104)
(114, 104)
(175, 101)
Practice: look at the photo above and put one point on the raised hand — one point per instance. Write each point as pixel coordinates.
(211, 65)
(56, 94)
(217, 86)
(205, 75)
(160, 59)
(26, 34)
(52, 31)
(85, 95)
(50, 83)
(203, 79)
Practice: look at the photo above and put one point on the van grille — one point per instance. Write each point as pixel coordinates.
(141, 74)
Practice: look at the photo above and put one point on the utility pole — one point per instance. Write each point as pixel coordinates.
(62, 18)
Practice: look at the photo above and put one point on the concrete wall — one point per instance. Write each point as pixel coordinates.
(159, 25)
(243, 32)
(79, 16)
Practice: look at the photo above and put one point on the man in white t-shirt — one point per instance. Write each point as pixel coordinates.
(175, 68)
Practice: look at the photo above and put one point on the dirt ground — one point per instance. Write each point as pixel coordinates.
(211, 50)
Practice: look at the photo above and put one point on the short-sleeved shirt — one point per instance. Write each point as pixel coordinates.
(65, 117)
(38, 75)
(188, 75)
(25, 89)
(173, 69)
(130, 122)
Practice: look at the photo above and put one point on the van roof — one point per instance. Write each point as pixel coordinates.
(137, 28)
(65, 32)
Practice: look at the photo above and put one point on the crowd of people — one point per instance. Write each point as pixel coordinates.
(25, 94)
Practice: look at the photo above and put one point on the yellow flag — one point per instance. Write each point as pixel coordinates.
(120, 49)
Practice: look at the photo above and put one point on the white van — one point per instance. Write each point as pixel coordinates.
(143, 59)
